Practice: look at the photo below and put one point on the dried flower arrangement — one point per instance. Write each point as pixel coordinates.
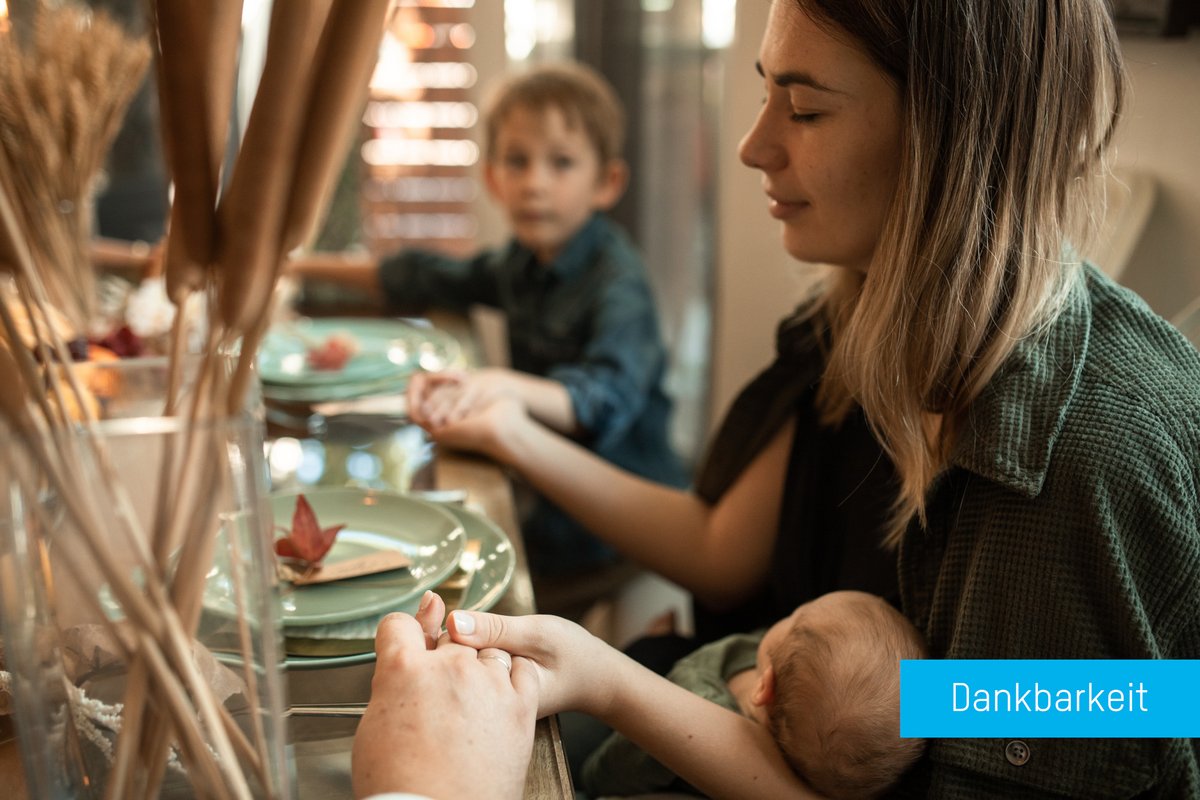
(63, 95)
(228, 247)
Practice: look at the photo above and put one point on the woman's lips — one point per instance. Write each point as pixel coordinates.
(782, 210)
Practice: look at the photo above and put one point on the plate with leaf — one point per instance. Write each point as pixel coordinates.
(345, 531)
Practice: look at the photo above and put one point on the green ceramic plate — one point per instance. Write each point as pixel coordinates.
(333, 646)
(429, 534)
(387, 349)
(338, 391)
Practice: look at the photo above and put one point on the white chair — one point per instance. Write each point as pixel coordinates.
(1129, 194)
(1188, 321)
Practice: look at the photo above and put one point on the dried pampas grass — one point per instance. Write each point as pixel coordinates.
(63, 95)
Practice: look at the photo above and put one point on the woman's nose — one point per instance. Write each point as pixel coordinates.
(758, 149)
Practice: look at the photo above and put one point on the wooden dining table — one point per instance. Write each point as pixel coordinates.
(321, 745)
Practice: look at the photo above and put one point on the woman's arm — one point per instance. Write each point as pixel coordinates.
(714, 749)
(721, 553)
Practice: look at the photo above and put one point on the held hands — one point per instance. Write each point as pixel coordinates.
(575, 670)
(436, 403)
(445, 720)
(443, 398)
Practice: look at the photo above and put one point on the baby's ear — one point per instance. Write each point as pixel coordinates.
(764, 691)
(614, 177)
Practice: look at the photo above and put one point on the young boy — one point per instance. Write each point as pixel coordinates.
(586, 352)
(824, 681)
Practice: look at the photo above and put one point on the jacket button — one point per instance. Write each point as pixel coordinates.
(1017, 752)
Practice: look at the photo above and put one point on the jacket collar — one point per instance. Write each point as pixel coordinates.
(574, 258)
(1012, 427)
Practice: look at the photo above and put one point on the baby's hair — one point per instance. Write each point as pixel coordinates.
(583, 96)
(836, 714)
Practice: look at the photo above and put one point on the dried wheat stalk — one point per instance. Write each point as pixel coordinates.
(62, 98)
(231, 250)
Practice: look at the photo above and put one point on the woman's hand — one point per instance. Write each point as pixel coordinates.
(443, 722)
(574, 668)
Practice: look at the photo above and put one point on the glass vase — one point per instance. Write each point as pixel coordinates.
(140, 602)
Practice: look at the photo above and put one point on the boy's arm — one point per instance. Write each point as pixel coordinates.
(352, 270)
(409, 280)
(714, 749)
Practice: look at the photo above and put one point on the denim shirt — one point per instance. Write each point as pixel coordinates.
(588, 320)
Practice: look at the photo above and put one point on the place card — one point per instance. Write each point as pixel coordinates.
(369, 564)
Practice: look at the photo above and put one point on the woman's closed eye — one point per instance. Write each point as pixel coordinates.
(805, 116)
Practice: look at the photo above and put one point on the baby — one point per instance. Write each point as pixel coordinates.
(824, 681)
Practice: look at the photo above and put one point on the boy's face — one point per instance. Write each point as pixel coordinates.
(548, 177)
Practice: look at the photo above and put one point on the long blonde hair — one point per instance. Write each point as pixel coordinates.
(1009, 108)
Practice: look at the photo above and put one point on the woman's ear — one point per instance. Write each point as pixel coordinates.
(764, 691)
(613, 180)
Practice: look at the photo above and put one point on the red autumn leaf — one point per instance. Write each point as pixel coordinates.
(307, 541)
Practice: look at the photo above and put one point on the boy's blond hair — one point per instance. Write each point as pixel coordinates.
(836, 713)
(583, 96)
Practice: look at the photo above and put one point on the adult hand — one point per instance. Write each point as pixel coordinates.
(430, 613)
(575, 669)
(443, 722)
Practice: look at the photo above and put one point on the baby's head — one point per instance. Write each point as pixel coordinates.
(553, 136)
(829, 678)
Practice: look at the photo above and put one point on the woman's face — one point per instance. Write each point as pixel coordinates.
(827, 140)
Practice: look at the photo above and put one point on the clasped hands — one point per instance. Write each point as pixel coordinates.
(440, 399)
(447, 716)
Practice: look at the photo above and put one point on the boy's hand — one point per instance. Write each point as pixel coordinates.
(573, 667)
(446, 398)
(422, 386)
(492, 430)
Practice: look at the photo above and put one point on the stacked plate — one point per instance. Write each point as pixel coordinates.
(333, 624)
(386, 353)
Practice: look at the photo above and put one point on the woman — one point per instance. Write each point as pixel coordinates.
(1040, 421)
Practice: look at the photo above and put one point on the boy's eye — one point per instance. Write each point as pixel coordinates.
(515, 160)
(563, 162)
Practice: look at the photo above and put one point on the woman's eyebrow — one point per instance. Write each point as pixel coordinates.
(796, 78)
